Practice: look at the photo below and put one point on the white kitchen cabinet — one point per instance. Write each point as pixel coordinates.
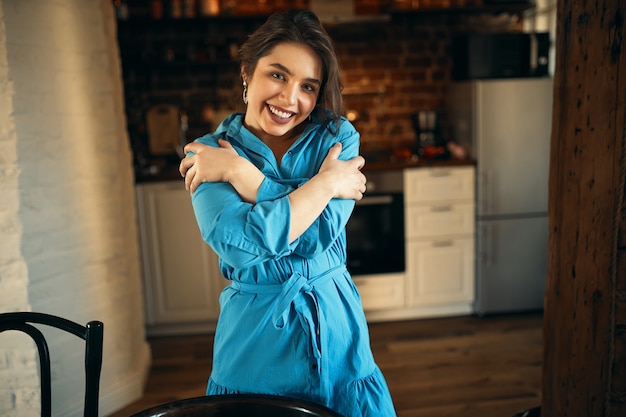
(381, 292)
(182, 281)
(439, 185)
(439, 221)
(441, 272)
(446, 218)
(440, 225)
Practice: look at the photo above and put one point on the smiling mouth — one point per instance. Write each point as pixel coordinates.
(279, 113)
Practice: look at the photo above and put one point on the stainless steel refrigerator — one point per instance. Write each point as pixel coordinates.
(506, 125)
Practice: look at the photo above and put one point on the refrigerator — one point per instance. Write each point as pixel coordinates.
(506, 126)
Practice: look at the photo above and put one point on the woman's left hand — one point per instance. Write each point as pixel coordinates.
(207, 164)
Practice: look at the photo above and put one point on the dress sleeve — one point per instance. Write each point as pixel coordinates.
(331, 223)
(271, 190)
(242, 234)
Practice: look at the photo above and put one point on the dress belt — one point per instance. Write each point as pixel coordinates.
(289, 291)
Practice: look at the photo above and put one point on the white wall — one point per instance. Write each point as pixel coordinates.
(68, 236)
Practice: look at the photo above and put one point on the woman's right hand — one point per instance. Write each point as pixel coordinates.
(346, 176)
(223, 164)
(207, 164)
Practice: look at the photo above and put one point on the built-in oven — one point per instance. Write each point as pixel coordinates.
(375, 231)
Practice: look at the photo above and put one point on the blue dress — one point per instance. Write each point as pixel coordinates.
(291, 320)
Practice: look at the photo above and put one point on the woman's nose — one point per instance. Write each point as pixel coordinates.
(290, 93)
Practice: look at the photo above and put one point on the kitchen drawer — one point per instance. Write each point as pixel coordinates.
(436, 184)
(381, 291)
(441, 271)
(439, 220)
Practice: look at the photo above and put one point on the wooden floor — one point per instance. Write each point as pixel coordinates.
(462, 366)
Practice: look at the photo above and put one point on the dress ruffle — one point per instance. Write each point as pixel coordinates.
(216, 389)
(365, 397)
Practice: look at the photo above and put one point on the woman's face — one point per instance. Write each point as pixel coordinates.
(283, 90)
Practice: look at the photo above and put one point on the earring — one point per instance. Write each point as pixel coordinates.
(245, 93)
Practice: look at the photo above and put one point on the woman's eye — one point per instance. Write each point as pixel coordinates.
(278, 76)
(309, 88)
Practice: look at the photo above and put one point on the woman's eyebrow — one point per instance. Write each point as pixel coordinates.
(285, 69)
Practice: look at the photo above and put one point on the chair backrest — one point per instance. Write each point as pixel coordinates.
(92, 333)
(239, 405)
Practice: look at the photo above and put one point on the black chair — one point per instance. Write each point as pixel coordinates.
(92, 334)
(239, 405)
(531, 412)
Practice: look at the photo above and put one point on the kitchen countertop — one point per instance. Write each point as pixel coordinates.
(389, 165)
(170, 173)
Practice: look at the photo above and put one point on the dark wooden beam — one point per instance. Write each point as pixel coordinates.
(584, 371)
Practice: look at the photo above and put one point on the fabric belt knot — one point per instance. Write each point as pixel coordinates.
(289, 293)
(299, 284)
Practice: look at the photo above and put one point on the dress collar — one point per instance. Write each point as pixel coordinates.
(233, 128)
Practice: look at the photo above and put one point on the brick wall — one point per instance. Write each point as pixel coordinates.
(391, 69)
(68, 239)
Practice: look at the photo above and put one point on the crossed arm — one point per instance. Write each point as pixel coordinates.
(335, 179)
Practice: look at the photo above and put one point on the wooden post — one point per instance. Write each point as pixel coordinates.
(584, 367)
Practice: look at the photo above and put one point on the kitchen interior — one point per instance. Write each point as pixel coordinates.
(453, 101)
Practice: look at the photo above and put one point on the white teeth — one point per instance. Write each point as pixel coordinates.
(281, 114)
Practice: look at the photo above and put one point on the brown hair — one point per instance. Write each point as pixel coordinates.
(299, 26)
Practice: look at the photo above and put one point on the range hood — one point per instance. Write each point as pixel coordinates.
(341, 11)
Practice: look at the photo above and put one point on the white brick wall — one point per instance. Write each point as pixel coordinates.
(68, 238)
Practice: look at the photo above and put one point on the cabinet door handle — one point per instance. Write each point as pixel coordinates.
(486, 246)
(442, 243)
(487, 199)
(438, 209)
(440, 173)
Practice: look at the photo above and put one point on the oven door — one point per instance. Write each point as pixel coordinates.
(375, 235)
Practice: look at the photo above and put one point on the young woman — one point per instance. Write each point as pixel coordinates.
(272, 190)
